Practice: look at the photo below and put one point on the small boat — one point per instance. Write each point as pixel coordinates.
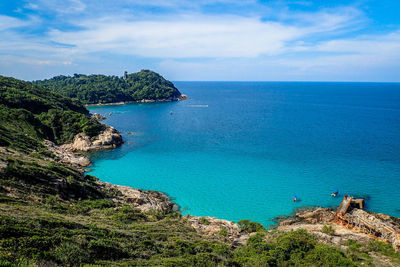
(294, 198)
(335, 193)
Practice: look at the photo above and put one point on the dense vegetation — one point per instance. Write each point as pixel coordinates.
(52, 214)
(37, 113)
(95, 89)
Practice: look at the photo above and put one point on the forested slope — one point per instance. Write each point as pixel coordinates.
(95, 89)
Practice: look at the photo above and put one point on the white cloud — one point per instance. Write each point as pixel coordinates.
(7, 22)
(187, 37)
(199, 46)
(58, 6)
(196, 35)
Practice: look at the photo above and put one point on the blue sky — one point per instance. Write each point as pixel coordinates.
(247, 40)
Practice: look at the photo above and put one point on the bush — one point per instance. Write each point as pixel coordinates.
(223, 232)
(328, 229)
(71, 254)
(204, 221)
(250, 227)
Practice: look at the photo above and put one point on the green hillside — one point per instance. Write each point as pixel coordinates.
(94, 89)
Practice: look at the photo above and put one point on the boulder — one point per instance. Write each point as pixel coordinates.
(109, 138)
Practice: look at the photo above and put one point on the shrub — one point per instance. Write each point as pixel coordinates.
(71, 254)
(204, 221)
(328, 229)
(250, 227)
(223, 232)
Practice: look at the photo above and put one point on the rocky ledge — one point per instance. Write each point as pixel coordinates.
(98, 117)
(144, 200)
(62, 155)
(364, 226)
(211, 226)
(109, 138)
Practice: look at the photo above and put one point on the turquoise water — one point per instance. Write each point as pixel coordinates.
(241, 150)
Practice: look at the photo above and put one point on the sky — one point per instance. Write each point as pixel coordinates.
(205, 40)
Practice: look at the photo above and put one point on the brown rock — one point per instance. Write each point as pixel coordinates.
(214, 227)
(109, 138)
(140, 199)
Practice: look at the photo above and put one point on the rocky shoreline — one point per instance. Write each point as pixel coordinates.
(180, 98)
(313, 221)
(372, 226)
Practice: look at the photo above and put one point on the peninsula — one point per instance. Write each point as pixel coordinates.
(143, 86)
(51, 213)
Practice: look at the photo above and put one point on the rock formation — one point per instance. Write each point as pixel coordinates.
(214, 226)
(65, 156)
(109, 138)
(364, 226)
(140, 199)
(98, 117)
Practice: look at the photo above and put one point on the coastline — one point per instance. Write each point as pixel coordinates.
(181, 98)
(312, 219)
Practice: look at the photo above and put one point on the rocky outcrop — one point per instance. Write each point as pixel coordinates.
(109, 138)
(364, 226)
(383, 226)
(211, 226)
(98, 117)
(182, 97)
(140, 199)
(65, 156)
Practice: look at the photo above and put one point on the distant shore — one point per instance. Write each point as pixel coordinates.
(181, 98)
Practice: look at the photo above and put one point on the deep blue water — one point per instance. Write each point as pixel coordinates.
(241, 150)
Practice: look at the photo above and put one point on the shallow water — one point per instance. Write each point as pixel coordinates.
(241, 150)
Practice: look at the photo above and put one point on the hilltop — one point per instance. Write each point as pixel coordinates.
(145, 85)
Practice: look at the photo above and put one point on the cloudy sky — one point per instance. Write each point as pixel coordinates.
(239, 40)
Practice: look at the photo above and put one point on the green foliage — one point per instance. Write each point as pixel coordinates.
(29, 113)
(204, 221)
(64, 125)
(328, 229)
(223, 232)
(128, 214)
(250, 227)
(297, 248)
(95, 89)
(18, 94)
(383, 248)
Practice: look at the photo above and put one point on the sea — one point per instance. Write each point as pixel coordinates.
(243, 150)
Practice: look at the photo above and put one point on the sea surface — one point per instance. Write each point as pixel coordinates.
(242, 150)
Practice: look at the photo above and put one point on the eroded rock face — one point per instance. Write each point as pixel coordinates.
(109, 138)
(140, 199)
(214, 226)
